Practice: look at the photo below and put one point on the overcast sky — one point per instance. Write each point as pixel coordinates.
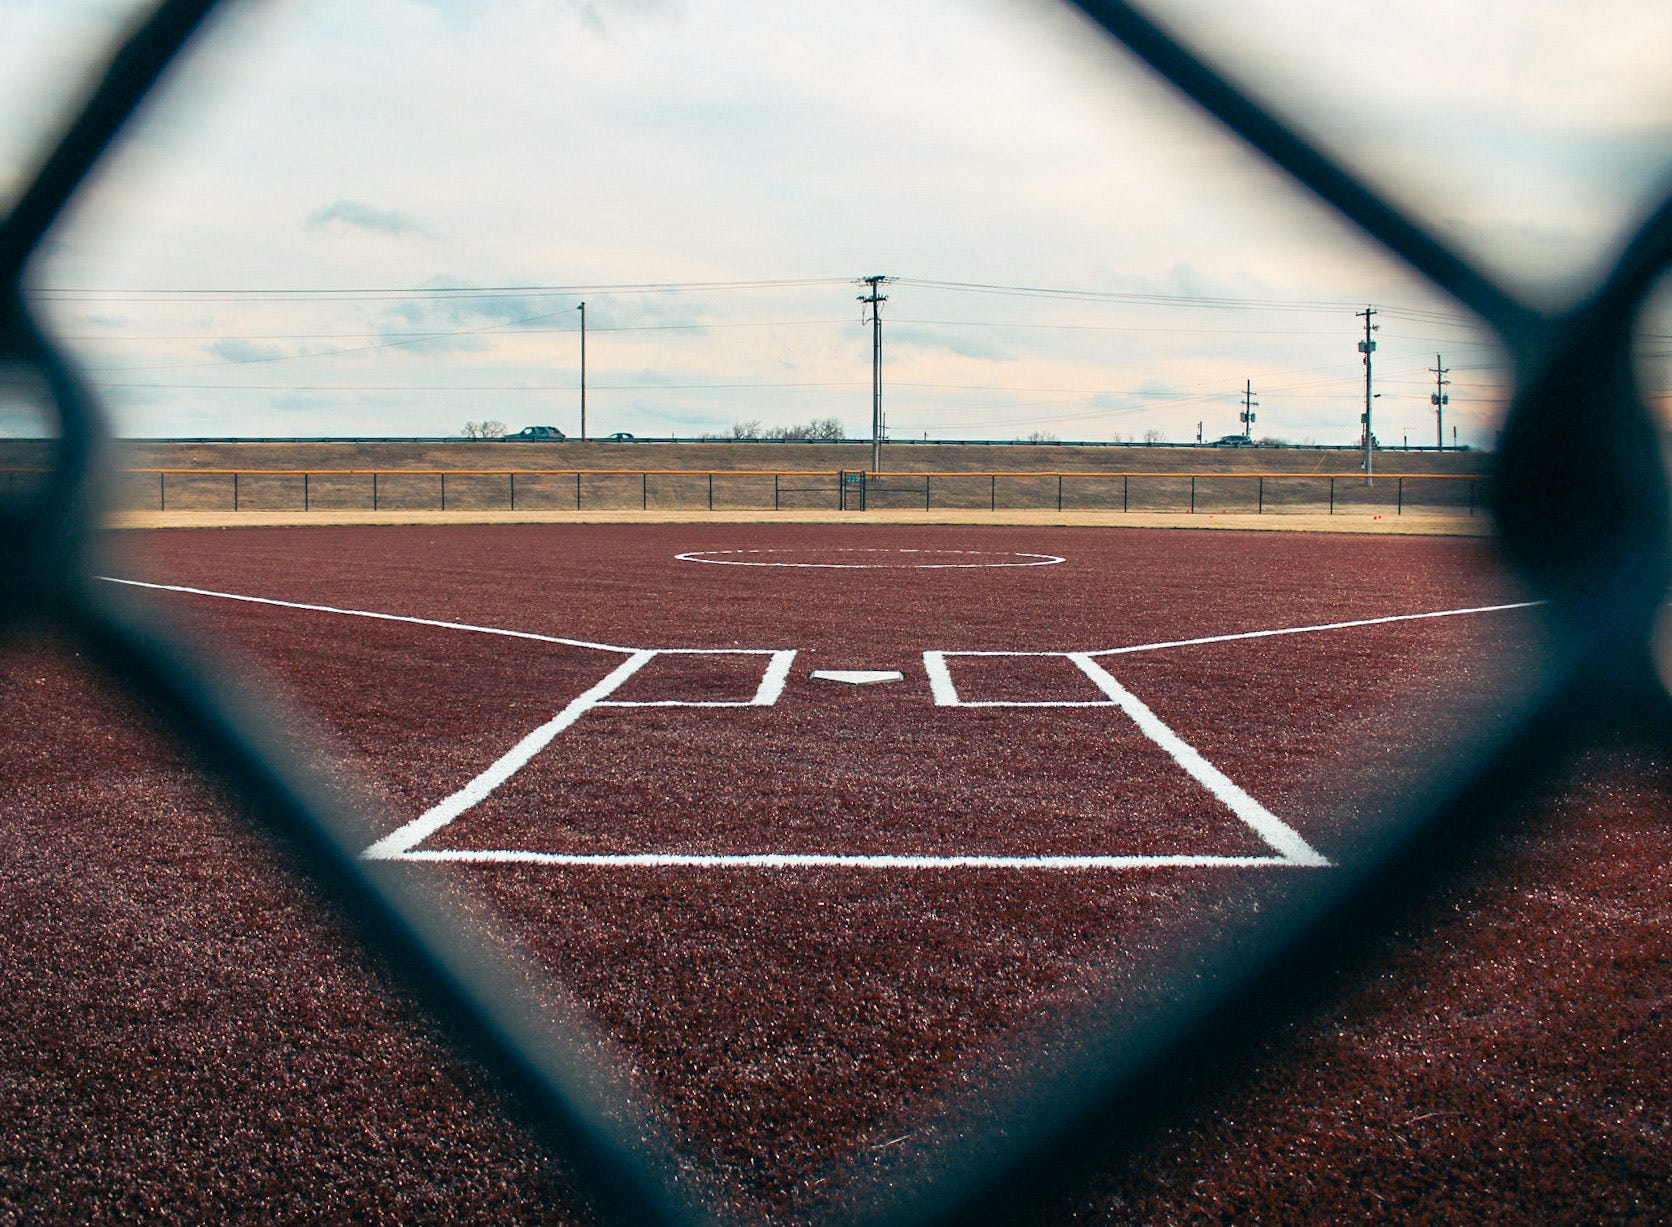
(380, 218)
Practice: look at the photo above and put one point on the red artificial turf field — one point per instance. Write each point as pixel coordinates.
(799, 1019)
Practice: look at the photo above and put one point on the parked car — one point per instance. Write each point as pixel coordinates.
(528, 433)
(1233, 441)
(621, 436)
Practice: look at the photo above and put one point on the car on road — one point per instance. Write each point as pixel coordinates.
(621, 436)
(1233, 441)
(528, 433)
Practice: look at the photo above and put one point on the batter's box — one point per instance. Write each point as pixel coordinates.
(719, 678)
(704, 677)
(1012, 679)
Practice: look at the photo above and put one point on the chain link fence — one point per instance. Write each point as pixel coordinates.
(1580, 502)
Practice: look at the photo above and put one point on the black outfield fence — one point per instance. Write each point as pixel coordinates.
(531, 490)
(1580, 506)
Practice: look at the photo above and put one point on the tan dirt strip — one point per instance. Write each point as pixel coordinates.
(1414, 524)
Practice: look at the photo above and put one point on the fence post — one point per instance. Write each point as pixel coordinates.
(928, 483)
(644, 491)
(775, 506)
(1193, 494)
(162, 492)
(1260, 507)
(235, 491)
(1125, 487)
(577, 489)
(1332, 496)
(1059, 491)
(444, 492)
(306, 505)
(374, 489)
(992, 492)
(711, 492)
(513, 491)
(1401, 504)
(1471, 498)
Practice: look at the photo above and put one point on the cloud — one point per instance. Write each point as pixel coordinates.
(972, 345)
(235, 349)
(353, 215)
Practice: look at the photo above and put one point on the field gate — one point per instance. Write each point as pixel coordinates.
(852, 490)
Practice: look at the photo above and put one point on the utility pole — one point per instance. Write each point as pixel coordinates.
(582, 310)
(1248, 403)
(875, 301)
(1367, 347)
(1440, 400)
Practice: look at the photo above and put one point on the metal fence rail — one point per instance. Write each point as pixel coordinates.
(1580, 501)
(380, 490)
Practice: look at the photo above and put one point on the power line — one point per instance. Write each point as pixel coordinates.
(384, 293)
(378, 294)
(1131, 297)
(398, 336)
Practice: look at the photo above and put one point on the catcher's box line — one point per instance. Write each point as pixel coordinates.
(402, 844)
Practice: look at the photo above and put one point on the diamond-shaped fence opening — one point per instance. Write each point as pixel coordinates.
(1581, 507)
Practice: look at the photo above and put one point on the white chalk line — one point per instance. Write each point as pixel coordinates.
(1292, 849)
(832, 860)
(1290, 630)
(706, 556)
(433, 819)
(771, 688)
(1255, 816)
(609, 647)
(363, 613)
(401, 844)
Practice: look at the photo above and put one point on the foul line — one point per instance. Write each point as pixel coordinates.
(1288, 630)
(363, 613)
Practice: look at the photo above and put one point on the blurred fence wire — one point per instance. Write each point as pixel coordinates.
(1580, 501)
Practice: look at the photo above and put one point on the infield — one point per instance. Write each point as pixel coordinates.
(811, 842)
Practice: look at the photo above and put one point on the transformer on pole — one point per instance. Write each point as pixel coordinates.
(875, 301)
(1440, 401)
(1367, 347)
(582, 310)
(1248, 403)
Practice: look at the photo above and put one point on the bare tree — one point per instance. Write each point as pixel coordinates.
(1042, 436)
(818, 429)
(747, 430)
(1153, 435)
(489, 429)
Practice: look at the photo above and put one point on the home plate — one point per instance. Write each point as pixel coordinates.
(859, 677)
